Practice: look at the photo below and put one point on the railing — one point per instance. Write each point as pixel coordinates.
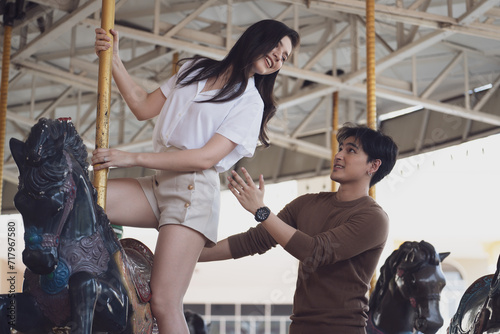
(248, 324)
(244, 318)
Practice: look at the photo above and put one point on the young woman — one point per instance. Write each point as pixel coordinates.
(337, 236)
(210, 115)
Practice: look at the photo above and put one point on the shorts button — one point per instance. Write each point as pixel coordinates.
(190, 187)
(187, 205)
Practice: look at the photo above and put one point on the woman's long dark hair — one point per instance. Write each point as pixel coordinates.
(258, 40)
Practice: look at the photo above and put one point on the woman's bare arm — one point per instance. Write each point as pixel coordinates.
(143, 105)
(181, 161)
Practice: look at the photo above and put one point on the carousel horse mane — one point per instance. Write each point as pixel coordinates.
(44, 151)
(414, 255)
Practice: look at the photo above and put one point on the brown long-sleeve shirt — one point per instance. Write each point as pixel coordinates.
(338, 245)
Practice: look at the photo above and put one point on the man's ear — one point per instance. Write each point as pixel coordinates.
(375, 165)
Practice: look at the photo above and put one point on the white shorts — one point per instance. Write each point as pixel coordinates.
(191, 199)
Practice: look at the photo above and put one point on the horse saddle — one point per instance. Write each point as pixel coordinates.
(139, 260)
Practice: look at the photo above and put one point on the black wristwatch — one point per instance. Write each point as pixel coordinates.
(262, 214)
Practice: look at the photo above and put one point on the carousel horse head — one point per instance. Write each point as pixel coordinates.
(407, 294)
(493, 305)
(479, 308)
(79, 276)
(46, 190)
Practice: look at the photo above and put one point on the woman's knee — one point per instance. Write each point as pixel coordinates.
(162, 305)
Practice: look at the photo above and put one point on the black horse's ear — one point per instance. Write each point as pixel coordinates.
(443, 256)
(17, 150)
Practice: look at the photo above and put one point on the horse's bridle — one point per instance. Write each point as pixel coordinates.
(68, 188)
(401, 273)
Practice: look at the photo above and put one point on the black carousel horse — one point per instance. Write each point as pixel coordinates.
(79, 277)
(195, 322)
(479, 309)
(406, 295)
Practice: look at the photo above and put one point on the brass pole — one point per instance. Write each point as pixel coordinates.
(335, 128)
(104, 100)
(175, 60)
(3, 98)
(371, 106)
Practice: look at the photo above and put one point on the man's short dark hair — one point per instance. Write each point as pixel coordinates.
(375, 144)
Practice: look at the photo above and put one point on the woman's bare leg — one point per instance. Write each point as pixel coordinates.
(127, 205)
(176, 254)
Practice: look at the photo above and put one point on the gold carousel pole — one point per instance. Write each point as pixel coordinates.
(7, 38)
(335, 127)
(371, 107)
(103, 96)
(175, 67)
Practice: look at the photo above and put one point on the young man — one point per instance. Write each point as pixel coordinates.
(337, 236)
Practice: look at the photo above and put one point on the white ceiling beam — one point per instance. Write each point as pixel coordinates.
(169, 42)
(477, 29)
(64, 5)
(10, 176)
(413, 17)
(183, 6)
(298, 130)
(477, 11)
(439, 79)
(305, 95)
(25, 122)
(490, 93)
(326, 48)
(388, 13)
(69, 102)
(391, 95)
(56, 75)
(20, 120)
(392, 83)
(259, 12)
(152, 56)
(282, 16)
(55, 103)
(335, 82)
(400, 54)
(189, 18)
(29, 19)
(196, 35)
(493, 13)
(472, 51)
(93, 68)
(300, 146)
(436, 106)
(62, 26)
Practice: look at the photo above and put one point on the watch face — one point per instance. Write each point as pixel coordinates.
(262, 214)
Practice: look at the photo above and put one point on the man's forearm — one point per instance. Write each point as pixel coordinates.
(219, 252)
(281, 231)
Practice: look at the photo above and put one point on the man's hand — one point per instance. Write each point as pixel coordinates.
(246, 192)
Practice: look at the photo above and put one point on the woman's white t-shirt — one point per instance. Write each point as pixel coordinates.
(186, 124)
